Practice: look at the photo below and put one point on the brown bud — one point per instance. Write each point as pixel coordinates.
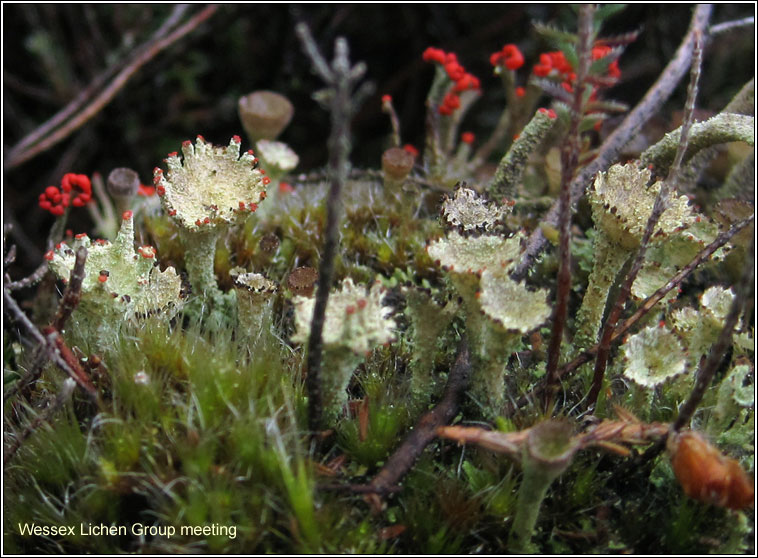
(269, 243)
(302, 280)
(264, 114)
(706, 474)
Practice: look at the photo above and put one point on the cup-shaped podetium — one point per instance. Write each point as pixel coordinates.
(264, 114)
(397, 164)
(123, 184)
(548, 451)
(207, 190)
(255, 300)
(355, 323)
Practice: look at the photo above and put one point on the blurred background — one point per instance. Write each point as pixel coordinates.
(52, 52)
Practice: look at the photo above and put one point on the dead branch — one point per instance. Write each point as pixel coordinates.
(659, 207)
(425, 430)
(569, 162)
(27, 149)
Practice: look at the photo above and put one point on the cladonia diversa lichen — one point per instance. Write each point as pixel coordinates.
(498, 310)
(622, 200)
(205, 192)
(120, 283)
(356, 322)
(255, 299)
(511, 287)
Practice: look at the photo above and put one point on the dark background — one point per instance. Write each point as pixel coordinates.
(192, 87)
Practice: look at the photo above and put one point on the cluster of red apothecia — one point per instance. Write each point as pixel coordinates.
(457, 73)
(511, 58)
(75, 190)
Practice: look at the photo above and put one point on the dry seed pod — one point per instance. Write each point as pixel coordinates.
(264, 114)
(706, 474)
(397, 163)
(123, 184)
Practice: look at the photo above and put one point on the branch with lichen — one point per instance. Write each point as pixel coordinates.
(512, 165)
(722, 128)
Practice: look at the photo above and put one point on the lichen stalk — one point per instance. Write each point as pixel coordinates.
(609, 260)
(199, 256)
(548, 451)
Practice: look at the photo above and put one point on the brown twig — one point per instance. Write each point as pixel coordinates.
(569, 162)
(708, 368)
(632, 124)
(587, 355)
(21, 154)
(659, 207)
(73, 292)
(51, 343)
(77, 102)
(425, 430)
(340, 78)
(67, 362)
(63, 395)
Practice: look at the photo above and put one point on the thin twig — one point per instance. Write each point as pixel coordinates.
(340, 78)
(67, 362)
(659, 207)
(650, 302)
(708, 368)
(63, 395)
(119, 81)
(15, 310)
(77, 102)
(73, 292)
(729, 25)
(425, 430)
(569, 163)
(32, 279)
(632, 124)
(66, 306)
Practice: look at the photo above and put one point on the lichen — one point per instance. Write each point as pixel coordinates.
(356, 322)
(469, 211)
(653, 356)
(120, 283)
